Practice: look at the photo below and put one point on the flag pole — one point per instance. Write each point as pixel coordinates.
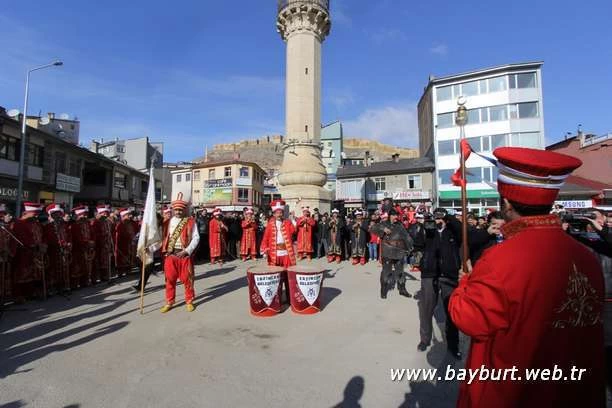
(142, 275)
(461, 119)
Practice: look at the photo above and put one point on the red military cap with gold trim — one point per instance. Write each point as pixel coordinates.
(530, 176)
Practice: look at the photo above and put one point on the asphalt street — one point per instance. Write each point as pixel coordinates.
(97, 350)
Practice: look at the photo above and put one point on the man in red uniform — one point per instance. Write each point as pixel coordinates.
(29, 262)
(533, 301)
(7, 252)
(305, 225)
(277, 241)
(125, 231)
(249, 238)
(217, 237)
(181, 238)
(83, 248)
(102, 228)
(59, 242)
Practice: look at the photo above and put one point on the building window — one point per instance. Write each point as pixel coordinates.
(329, 144)
(445, 120)
(120, 180)
(445, 176)
(211, 174)
(179, 178)
(444, 93)
(228, 172)
(306, 70)
(498, 141)
(526, 80)
(196, 175)
(473, 175)
(414, 182)
(243, 195)
(187, 177)
(528, 110)
(497, 84)
(60, 162)
(526, 139)
(469, 88)
(75, 168)
(35, 155)
(473, 116)
(244, 172)
(446, 147)
(486, 144)
(499, 112)
(474, 143)
(380, 184)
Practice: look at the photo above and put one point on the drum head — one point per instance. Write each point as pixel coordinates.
(304, 269)
(264, 269)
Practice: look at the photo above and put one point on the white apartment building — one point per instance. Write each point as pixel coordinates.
(504, 109)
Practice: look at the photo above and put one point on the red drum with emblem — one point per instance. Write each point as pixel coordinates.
(264, 290)
(305, 284)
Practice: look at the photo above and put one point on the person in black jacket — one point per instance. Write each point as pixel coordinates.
(439, 276)
(322, 234)
(202, 220)
(481, 239)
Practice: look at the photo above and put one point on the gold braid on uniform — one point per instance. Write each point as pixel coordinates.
(176, 234)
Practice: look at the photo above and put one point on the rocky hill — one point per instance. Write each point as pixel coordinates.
(268, 151)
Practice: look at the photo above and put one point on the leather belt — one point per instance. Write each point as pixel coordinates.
(281, 247)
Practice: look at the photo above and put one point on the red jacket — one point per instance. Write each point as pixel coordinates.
(268, 242)
(534, 301)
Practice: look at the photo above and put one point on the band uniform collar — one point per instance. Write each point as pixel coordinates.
(549, 221)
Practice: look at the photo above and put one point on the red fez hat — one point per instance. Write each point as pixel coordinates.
(32, 207)
(278, 205)
(124, 211)
(80, 210)
(103, 208)
(179, 203)
(51, 208)
(530, 176)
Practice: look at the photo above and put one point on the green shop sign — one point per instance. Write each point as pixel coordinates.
(456, 194)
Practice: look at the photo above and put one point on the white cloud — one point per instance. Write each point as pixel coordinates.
(395, 124)
(439, 49)
(341, 98)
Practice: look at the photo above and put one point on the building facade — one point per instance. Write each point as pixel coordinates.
(404, 180)
(182, 183)
(331, 151)
(230, 185)
(505, 108)
(57, 170)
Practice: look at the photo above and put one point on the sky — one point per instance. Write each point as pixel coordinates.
(192, 73)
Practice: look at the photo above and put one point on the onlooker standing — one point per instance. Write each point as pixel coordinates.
(203, 221)
(322, 233)
(373, 243)
(481, 239)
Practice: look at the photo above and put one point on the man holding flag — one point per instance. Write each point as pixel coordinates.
(180, 241)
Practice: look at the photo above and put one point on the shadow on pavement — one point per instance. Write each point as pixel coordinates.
(20, 347)
(221, 289)
(14, 404)
(352, 393)
(216, 272)
(327, 295)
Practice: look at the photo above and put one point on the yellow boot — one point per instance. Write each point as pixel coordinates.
(166, 308)
(190, 307)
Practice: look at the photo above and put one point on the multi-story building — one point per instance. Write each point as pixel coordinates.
(331, 153)
(57, 170)
(404, 180)
(504, 109)
(61, 126)
(590, 185)
(229, 185)
(182, 182)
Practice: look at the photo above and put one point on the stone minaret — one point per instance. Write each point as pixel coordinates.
(303, 25)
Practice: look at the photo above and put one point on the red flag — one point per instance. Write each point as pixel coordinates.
(456, 178)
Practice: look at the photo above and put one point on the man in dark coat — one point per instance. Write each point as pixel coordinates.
(336, 226)
(322, 235)
(439, 275)
(396, 243)
(359, 239)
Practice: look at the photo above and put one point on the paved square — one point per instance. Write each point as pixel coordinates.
(96, 350)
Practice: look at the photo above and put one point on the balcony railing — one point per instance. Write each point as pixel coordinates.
(284, 3)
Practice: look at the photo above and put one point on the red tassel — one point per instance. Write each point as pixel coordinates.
(456, 178)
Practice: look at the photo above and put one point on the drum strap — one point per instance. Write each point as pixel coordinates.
(176, 234)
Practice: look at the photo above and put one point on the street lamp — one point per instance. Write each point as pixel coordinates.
(56, 63)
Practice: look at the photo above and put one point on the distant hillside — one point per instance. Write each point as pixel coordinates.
(268, 151)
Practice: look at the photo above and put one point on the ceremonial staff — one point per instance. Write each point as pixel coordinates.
(461, 120)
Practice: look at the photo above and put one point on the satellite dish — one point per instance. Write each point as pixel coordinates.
(13, 113)
(64, 116)
(59, 127)
(44, 121)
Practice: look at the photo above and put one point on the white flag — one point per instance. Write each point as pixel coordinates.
(149, 239)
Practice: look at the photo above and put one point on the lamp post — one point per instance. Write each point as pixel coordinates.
(461, 119)
(56, 63)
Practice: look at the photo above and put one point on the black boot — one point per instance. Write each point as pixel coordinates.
(402, 290)
(383, 291)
